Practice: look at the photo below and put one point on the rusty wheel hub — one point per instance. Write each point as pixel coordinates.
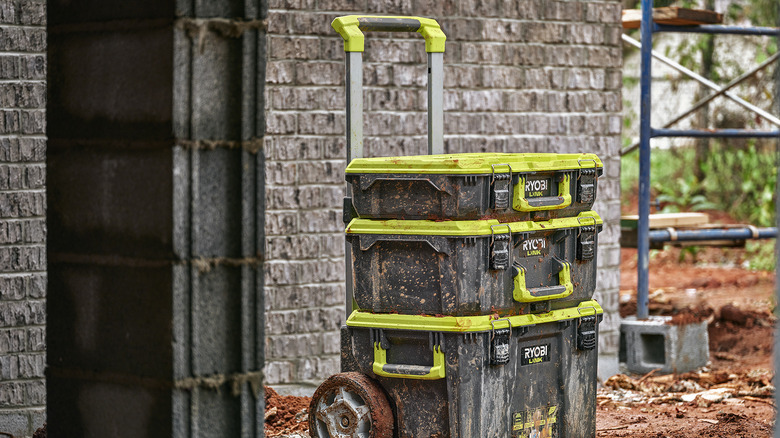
(350, 405)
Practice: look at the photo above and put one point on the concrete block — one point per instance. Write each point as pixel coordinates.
(106, 408)
(110, 201)
(86, 11)
(655, 343)
(86, 98)
(101, 305)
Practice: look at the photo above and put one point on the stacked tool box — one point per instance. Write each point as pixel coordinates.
(470, 291)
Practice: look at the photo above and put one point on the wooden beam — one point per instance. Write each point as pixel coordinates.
(666, 220)
(674, 15)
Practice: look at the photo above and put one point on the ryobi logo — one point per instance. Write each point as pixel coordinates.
(534, 247)
(535, 354)
(536, 187)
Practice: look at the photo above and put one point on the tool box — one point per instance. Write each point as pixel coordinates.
(521, 376)
(473, 267)
(481, 326)
(508, 187)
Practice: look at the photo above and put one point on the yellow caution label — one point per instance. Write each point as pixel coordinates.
(536, 423)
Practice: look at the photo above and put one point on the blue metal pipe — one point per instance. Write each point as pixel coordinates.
(707, 28)
(712, 234)
(643, 240)
(733, 133)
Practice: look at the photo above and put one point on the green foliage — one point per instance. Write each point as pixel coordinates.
(760, 254)
(743, 180)
(738, 181)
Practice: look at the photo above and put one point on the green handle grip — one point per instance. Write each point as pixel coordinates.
(563, 200)
(401, 371)
(351, 28)
(524, 295)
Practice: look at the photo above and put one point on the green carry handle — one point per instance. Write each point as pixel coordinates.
(563, 200)
(402, 371)
(565, 287)
(351, 28)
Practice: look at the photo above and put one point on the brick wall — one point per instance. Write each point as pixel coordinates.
(22, 216)
(523, 76)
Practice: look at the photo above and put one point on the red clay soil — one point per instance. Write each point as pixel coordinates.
(285, 415)
(738, 305)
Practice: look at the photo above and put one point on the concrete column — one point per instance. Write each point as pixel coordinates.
(156, 210)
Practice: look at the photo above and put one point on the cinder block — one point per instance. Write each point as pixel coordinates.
(657, 344)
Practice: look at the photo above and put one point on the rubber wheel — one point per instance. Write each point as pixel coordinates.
(350, 405)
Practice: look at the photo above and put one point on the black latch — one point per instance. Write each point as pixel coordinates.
(499, 254)
(586, 243)
(349, 211)
(587, 337)
(586, 186)
(499, 343)
(501, 188)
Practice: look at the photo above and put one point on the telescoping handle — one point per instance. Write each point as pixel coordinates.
(351, 29)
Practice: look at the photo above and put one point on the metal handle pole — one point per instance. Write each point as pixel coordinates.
(435, 103)
(354, 81)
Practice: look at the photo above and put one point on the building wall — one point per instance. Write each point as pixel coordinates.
(521, 76)
(22, 215)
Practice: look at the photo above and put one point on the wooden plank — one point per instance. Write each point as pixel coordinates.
(666, 220)
(673, 15)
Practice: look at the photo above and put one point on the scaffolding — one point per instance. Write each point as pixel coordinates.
(646, 132)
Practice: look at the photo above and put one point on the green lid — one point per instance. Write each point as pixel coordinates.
(473, 164)
(466, 228)
(466, 324)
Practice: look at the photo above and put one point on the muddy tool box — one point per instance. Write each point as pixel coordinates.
(473, 267)
(474, 186)
(522, 376)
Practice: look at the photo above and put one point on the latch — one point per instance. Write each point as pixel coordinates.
(349, 211)
(586, 186)
(501, 183)
(586, 332)
(586, 242)
(499, 343)
(499, 248)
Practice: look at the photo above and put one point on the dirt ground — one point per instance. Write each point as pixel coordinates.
(732, 397)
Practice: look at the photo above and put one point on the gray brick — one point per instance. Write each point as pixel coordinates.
(321, 123)
(32, 67)
(33, 122)
(15, 422)
(280, 173)
(276, 372)
(36, 339)
(22, 204)
(312, 368)
(23, 96)
(9, 64)
(319, 73)
(280, 72)
(24, 259)
(12, 394)
(294, 47)
(22, 149)
(281, 223)
(13, 341)
(22, 313)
